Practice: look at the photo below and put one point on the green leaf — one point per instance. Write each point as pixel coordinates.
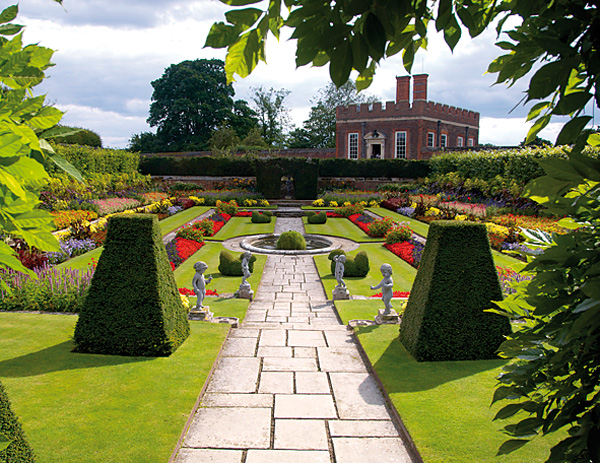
(360, 52)
(10, 29)
(452, 33)
(537, 109)
(548, 78)
(67, 167)
(594, 139)
(365, 78)
(221, 35)
(59, 131)
(374, 34)
(539, 124)
(239, 2)
(4, 442)
(341, 64)
(572, 129)
(511, 445)
(244, 18)
(45, 118)
(591, 288)
(508, 410)
(9, 259)
(9, 14)
(12, 183)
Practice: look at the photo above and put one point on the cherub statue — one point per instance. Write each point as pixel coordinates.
(340, 260)
(245, 268)
(199, 283)
(387, 287)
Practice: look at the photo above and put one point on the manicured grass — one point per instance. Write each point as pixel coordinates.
(86, 408)
(339, 226)
(240, 226)
(403, 276)
(446, 405)
(422, 229)
(365, 309)
(222, 284)
(167, 225)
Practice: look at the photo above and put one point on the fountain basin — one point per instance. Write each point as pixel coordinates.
(265, 244)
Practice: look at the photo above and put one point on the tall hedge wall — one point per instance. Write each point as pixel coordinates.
(369, 168)
(18, 450)
(88, 159)
(305, 172)
(133, 306)
(444, 318)
(212, 166)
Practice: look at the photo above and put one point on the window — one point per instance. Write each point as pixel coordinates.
(444, 140)
(471, 142)
(352, 146)
(401, 145)
(430, 139)
(460, 141)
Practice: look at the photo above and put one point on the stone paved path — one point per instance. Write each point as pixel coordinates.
(291, 386)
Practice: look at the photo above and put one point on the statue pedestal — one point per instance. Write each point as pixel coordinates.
(383, 318)
(340, 293)
(200, 314)
(245, 292)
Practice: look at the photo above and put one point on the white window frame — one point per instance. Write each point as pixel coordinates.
(430, 139)
(401, 145)
(460, 141)
(471, 141)
(443, 140)
(353, 145)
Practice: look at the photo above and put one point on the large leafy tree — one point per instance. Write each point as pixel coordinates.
(318, 131)
(555, 377)
(273, 114)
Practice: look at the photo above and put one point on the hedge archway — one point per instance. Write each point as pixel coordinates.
(304, 171)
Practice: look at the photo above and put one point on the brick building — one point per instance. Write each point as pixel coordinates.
(402, 130)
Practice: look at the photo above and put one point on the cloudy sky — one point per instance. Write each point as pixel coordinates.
(108, 52)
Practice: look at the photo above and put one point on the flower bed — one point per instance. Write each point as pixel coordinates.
(362, 221)
(64, 219)
(410, 251)
(189, 292)
(402, 294)
(114, 205)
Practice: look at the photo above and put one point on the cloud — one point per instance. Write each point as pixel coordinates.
(512, 131)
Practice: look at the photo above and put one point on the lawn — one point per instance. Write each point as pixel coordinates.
(364, 309)
(89, 408)
(403, 276)
(339, 226)
(446, 405)
(240, 226)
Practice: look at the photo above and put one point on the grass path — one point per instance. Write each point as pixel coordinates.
(84, 408)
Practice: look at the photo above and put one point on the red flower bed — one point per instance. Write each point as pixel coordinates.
(334, 214)
(187, 248)
(189, 292)
(404, 250)
(243, 214)
(396, 294)
(363, 226)
(220, 220)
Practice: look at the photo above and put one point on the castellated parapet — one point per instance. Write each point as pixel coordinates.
(418, 110)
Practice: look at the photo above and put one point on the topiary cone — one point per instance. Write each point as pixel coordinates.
(444, 318)
(18, 450)
(133, 306)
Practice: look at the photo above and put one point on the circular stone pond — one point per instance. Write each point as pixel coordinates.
(266, 244)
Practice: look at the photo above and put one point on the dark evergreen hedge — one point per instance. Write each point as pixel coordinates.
(357, 267)
(305, 172)
(133, 306)
(389, 168)
(291, 241)
(317, 217)
(232, 266)
(18, 451)
(260, 217)
(457, 280)
(212, 166)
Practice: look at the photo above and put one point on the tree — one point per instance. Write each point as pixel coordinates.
(224, 138)
(273, 115)
(537, 141)
(189, 101)
(559, 42)
(318, 131)
(243, 119)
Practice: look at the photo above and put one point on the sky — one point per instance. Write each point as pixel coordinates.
(108, 52)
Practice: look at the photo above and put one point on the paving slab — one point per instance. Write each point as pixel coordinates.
(370, 450)
(341, 359)
(362, 428)
(306, 339)
(289, 364)
(272, 338)
(276, 382)
(305, 352)
(237, 400)
(308, 382)
(288, 456)
(300, 435)
(274, 351)
(240, 347)
(339, 338)
(235, 374)
(243, 333)
(209, 456)
(357, 396)
(304, 406)
(230, 428)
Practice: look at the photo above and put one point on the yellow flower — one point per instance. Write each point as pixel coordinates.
(363, 203)
(413, 205)
(373, 203)
(432, 211)
(318, 203)
(264, 202)
(496, 229)
(347, 203)
(333, 203)
(461, 217)
(185, 301)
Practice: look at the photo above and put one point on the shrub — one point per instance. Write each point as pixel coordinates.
(357, 267)
(401, 168)
(352, 209)
(457, 280)
(206, 226)
(18, 451)
(260, 217)
(291, 240)
(318, 218)
(190, 232)
(380, 227)
(230, 207)
(232, 266)
(88, 160)
(398, 233)
(133, 305)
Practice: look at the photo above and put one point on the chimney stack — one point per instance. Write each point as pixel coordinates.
(402, 89)
(420, 87)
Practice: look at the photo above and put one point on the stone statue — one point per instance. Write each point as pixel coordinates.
(245, 268)
(387, 287)
(340, 260)
(199, 283)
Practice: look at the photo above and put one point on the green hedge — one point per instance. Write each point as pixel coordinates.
(18, 451)
(444, 318)
(231, 266)
(211, 166)
(261, 217)
(357, 267)
(317, 217)
(133, 306)
(304, 171)
(389, 168)
(88, 160)
(291, 241)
